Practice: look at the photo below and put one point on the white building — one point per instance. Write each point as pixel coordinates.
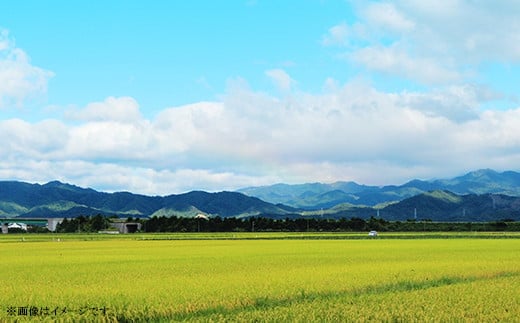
(15, 225)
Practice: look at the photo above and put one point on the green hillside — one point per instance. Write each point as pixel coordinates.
(319, 195)
(415, 200)
(57, 199)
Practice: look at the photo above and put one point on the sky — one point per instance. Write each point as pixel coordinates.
(165, 97)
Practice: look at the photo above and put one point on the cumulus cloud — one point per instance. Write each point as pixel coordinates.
(112, 177)
(387, 17)
(396, 61)
(19, 80)
(429, 41)
(349, 132)
(123, 109)
(467, 30)
(458, 102)
(337, 35)
(281, 79)
(21, 139)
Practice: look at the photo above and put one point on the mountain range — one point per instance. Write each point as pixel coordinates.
(56, 199)
(483, 195)
(446, 206)
(319, 195)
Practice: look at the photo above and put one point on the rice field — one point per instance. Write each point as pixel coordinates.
(259, 277)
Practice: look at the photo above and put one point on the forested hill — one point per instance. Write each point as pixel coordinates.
(56, 199)
(320, 195)
(447, 207)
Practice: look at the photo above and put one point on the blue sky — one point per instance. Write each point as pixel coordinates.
(169, 53)
(163, 97)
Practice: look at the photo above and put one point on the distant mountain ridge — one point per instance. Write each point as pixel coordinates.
(319, 195)
(56, 199)
(483, 195)
(447, 206)
(438, 206)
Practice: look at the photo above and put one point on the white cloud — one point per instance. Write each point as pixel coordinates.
(430, 42)
(281, 79)
(112, 177)
(350, 132)
(387, 17)
(458, 103)
(21, 139)
(19, 80)
(108, 140)
(396, 61)
(467, 30)
(346, 36)
(123, 109)
(337, 35)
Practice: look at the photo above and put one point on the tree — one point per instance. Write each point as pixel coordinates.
(98, 223)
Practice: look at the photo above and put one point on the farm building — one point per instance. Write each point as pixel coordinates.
(127, 227)
(14, 225)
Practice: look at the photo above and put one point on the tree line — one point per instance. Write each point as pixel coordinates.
(262, 224)
(84, 224)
